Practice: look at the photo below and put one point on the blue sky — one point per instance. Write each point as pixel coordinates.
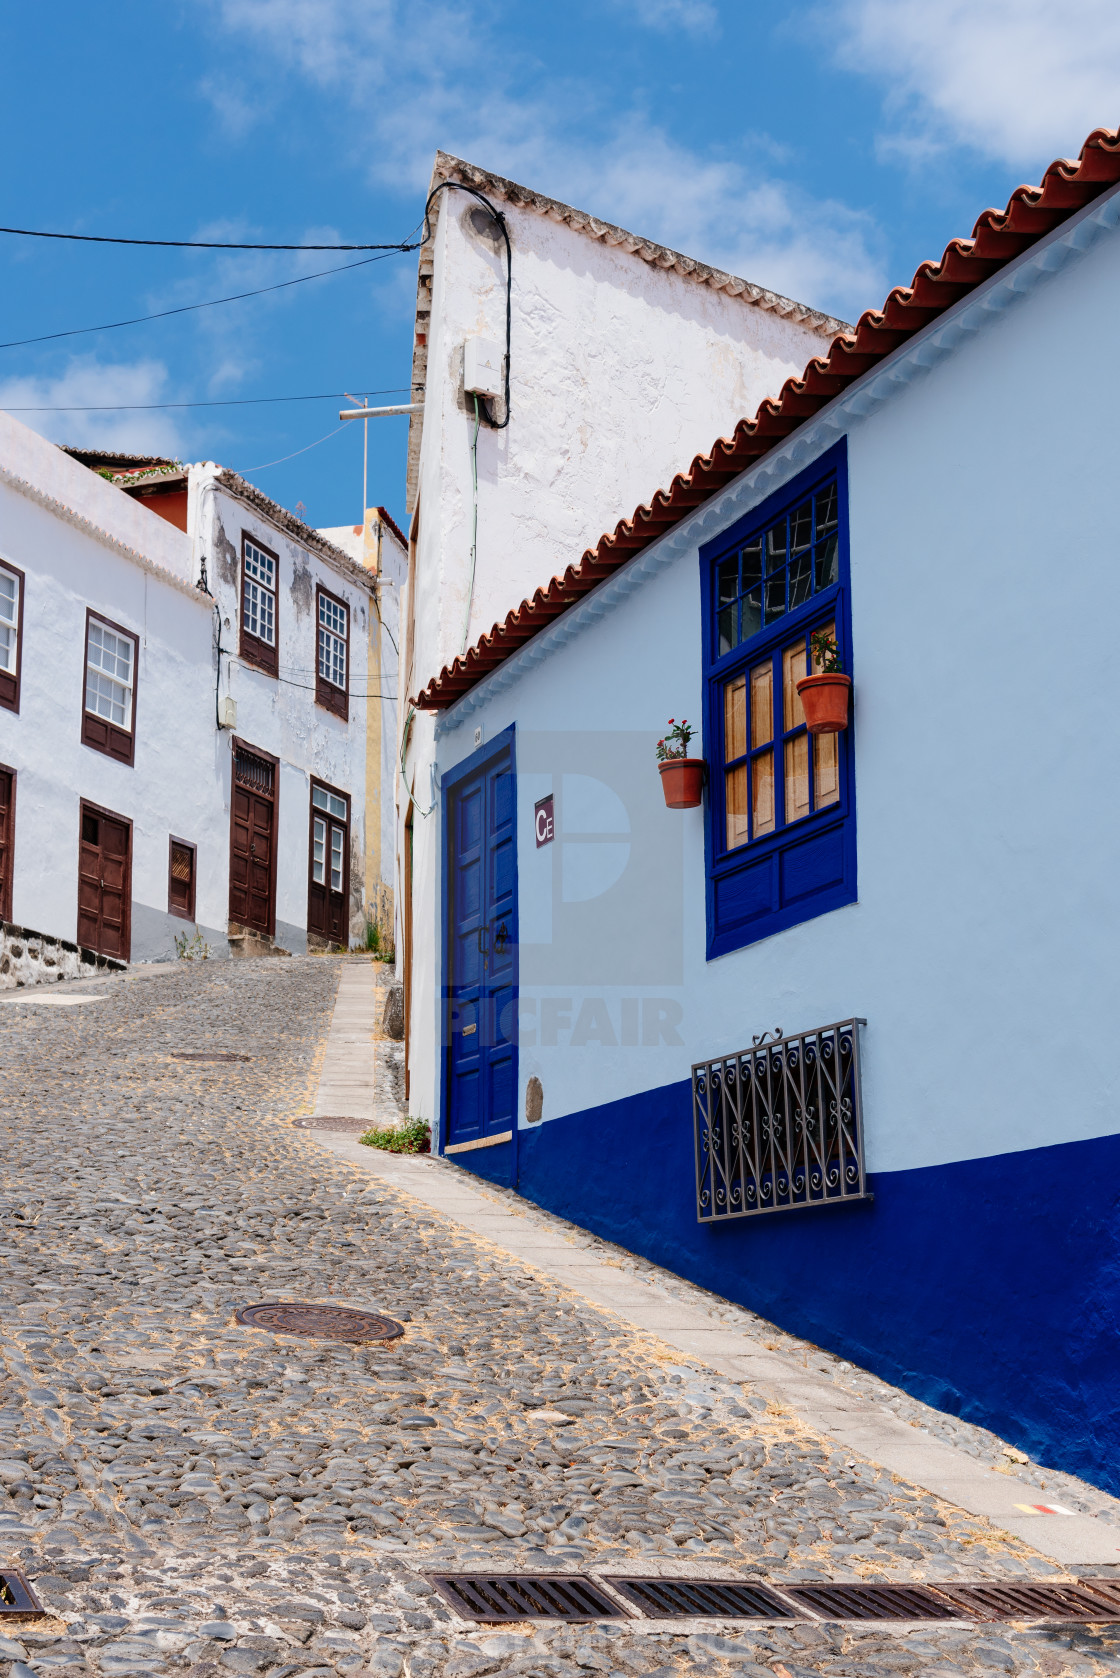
(820, 150)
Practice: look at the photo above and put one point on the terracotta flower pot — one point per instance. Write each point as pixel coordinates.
(824, 699)
(682, 782)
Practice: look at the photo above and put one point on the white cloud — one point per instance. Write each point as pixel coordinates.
(1018, 80)
(85, 383)
(695, 17)
(408, 81)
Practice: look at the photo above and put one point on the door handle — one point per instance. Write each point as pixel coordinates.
(483, 934)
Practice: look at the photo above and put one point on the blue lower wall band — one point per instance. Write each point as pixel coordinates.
(989, 1288)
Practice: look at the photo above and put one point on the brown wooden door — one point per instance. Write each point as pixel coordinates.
(7, 840)
(252, 860)
(328, 878)
(105, 883)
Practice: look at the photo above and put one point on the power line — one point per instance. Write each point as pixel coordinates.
(190, 308)
(225, 402)
(197, 244)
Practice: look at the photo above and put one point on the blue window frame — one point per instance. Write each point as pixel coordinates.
(781, 806)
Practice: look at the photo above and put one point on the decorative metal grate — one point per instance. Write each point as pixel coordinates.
(779, 1125)
(724, 1599)
(1087, 1600)
(873, 1602)
(252, 771)
(17, 1600)
(208, 1057)
(494, 1597)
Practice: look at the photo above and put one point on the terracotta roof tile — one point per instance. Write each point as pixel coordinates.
(998, 237)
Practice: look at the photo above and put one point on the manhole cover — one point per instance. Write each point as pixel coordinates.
(177, 1056)
(319, 1322)
(357, 1126)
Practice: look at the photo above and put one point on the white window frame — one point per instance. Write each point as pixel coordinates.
(333, 640)
(9, 627)
(258, 593)
(105, 684)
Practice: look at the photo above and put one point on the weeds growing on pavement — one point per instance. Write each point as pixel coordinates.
(414, 1136)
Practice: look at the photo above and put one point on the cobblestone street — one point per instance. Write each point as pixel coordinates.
(191, 1494)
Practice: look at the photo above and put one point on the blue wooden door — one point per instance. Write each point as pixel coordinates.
(482, 951)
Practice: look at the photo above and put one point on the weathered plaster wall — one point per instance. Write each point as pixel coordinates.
(278, 714)
(620, 374)
(67, 570)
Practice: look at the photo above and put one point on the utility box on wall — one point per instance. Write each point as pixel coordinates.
(482, 368)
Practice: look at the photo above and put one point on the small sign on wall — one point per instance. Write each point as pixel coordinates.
(543, 822)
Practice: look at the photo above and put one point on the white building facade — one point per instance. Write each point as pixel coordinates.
(835, 1039)
(624, 359)
(183, 741)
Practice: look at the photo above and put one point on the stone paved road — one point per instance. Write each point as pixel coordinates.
(191, 1495)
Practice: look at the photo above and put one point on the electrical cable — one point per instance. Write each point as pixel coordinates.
(243, 469)
(458, 186)
(198, 244)
(192, 308)
(218, 402)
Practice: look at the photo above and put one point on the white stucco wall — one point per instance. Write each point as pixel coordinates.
(620, 373)
(278, 714)
(83, 544)
(985, 587)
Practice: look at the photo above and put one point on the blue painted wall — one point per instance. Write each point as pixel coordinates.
(988, 1288)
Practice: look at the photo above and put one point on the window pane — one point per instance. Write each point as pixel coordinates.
(320, 798)
(727, 636)
(800, 579)
(9, 618)
(828, 561)
(776, 546)
(109, 675)
(260, 566)
(826, 770)
(801, 528)
(752, 614)
(338, 806)
(775, 596)
(735, 721)
(762, 786)
(336, 859)
(794, 667)
(762, 704)
(735, 797)
(319, 852)
(332, 658)
(797, 777)
(828, 511)
(728, 581)
(752, 564)
(7, 649)
(332, 615)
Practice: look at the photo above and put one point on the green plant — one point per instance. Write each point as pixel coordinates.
(192, 949)
(372, 938)
(675, 743)
(414, 1136)
(826, 654)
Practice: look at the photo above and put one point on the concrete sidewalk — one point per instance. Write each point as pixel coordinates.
(690, 1326)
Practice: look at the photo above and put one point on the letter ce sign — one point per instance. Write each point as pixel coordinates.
(543, 822)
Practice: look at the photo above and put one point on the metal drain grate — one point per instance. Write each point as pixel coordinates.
(214, 1057)
(1088, 1599)
(529, 1596)
(357, 1126)
(873, 1602)
(725, 1599)
(319, 1322)
(17, 1600)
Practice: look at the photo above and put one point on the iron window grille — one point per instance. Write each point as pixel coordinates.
(780, 1125)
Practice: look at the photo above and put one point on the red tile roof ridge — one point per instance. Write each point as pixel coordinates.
(998, 237)
(448, 167)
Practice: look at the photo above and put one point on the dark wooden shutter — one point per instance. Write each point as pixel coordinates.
(180, 881)
(7, 815)
(252, 841)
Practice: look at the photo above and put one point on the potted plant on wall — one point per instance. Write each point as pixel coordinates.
(682, 777)
(824, 695)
